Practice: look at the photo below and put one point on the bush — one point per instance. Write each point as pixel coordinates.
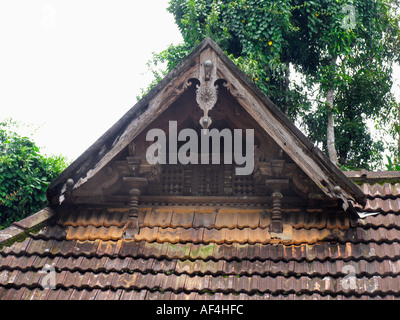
(24, 175)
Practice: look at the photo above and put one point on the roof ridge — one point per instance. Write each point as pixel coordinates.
(21, 229)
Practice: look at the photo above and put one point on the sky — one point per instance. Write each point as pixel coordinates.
(73, 68)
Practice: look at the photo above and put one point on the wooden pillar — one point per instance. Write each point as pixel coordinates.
(132, 227)
(133, 203)
(276, 218)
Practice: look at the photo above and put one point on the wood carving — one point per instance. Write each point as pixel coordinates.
(206, 98)
(276, 218)
(132, 227)
(207, 91)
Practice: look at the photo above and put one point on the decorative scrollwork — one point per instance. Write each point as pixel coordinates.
(206, 98)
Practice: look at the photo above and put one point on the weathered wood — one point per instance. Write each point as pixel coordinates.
(266, 117)
(280, 133)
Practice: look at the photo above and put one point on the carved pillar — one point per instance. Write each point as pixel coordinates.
(133, 203)
(276, 218)
(132, 227)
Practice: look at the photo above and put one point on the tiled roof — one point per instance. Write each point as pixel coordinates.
(207, 252)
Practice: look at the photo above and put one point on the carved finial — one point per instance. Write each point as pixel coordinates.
(206, 98)
(207, 68)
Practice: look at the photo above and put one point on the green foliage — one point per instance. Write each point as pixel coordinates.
(351, 55)
(392, 165)
(24, 175)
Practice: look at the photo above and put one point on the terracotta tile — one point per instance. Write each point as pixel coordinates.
(229, 236)
(97, 218)
(114, 264)
(127, 248)
(142, 214)
(164, 265)
(56, 232)
(199, 235)
(62, 247)
(91, 264)
(63, 218)
(265, 219)
(108, 295)
(130, 281)
(152, 250)
(73, 219)
(160, 218)
(249, 219)
(202, 251)
(87, 217)
(169, 235)
(140, 264)
(208, 235)
(75, 233)
(197, 283)
(147, 234)
(33, 295)
(133, 295)
(321, 219)
(102, 233)
(204, 219)
(178, 251)
(150, 281)
(226, 218)
(182, 218)
(113, 247)
(258, 236)
(241, 236)
(84, 248)
(173, 282)
(92, 233)
(117, 219)
(87, 295)
(301, 236)
(116, 233)
(29, 245)
(218, 283)
(158, 296)
(336, 221)
(299, 219)
(214, 236)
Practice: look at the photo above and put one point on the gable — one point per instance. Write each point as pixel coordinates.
(177, 98)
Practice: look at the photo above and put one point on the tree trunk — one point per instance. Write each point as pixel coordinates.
(330, 131)
(398, 139)
(286, 87)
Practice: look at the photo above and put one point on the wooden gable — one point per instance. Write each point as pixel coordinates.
(206, 88)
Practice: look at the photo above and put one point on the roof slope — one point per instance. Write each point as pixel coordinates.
(207, 252)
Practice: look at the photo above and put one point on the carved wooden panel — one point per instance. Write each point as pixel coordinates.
(204, 180)
(172, 180)
(243, 185)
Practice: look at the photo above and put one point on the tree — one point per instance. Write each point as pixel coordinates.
(356, 42)
(24, 175)
(341, 48)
